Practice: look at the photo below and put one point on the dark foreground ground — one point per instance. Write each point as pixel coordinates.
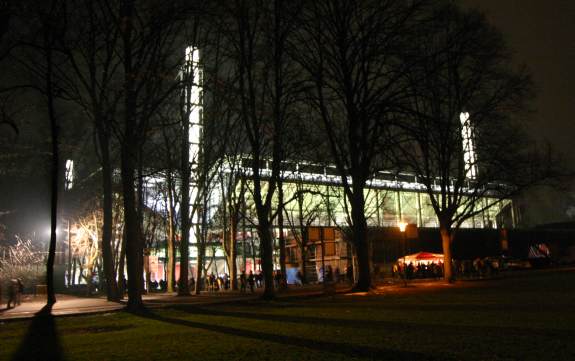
(525, 316)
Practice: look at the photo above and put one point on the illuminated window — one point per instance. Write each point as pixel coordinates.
(329, 248)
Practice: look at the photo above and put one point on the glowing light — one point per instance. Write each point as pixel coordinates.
(49, 231)
(468, 147)
(193, 74)
(194, 106)
(402, 226)
(69, 176)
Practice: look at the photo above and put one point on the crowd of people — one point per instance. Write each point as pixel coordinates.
(477, 268)
(332, 275)
(222, 282)
(420, 270)
(252, 281)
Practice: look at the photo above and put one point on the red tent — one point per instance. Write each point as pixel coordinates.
(422, 257)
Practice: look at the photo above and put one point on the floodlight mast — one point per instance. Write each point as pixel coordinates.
(469, 156)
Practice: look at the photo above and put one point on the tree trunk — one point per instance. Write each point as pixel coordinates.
(445, 232)
(51, 297)
(140, 212)
(302, 266)
(232, 263)
(282, 241)
(244, 234)
(148, 283)
(69, 268)
(253, 250)
(170, 275)
(266, 251)
(121, 265)
(304, 240)
(200, 267)
(74, 266)
(183, 285)
(359, 229)
(107, 256)
(134, 251)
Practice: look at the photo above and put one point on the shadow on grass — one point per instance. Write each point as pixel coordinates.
(381, 325)
(41, 341)
(345, 349)
(354, 323)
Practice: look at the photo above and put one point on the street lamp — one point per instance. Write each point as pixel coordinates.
(402, 227)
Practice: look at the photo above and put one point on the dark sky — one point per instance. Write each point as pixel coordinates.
(542, 35)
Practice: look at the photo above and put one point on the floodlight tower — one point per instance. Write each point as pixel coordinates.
(194, 108)
(469, 157)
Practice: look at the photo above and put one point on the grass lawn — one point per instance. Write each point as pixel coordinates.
(522, 317)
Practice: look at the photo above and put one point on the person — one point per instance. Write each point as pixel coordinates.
(243, 282)
(12, 290)
(476, 265)
(154, 285)
(410, 270)
(192, 284)
(440, 267)
(435, 270)
(299, 278)
(328, 274)
(251, 281)
(220, 283)
(277, 278)
(212, 281)
(259, 279)
(349, 274)
(337, 275)
(226, 281)
(163, 285)
(495, 266)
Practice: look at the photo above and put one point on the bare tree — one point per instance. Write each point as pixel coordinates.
(233, 189)
(152, 53)
(170, 198)
(51, 33)
(22, 260)
(86, 244)
(93, 84)
(6, 45)
(466, 141)
(256, 34)
(307, 212)
(351, 51)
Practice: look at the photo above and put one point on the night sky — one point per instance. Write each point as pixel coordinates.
(542, 35)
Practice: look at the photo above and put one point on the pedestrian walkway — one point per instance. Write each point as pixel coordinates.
(67, 305)
(73, 305)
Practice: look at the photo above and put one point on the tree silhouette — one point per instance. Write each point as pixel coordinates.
(463, 124)
(352, 51)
